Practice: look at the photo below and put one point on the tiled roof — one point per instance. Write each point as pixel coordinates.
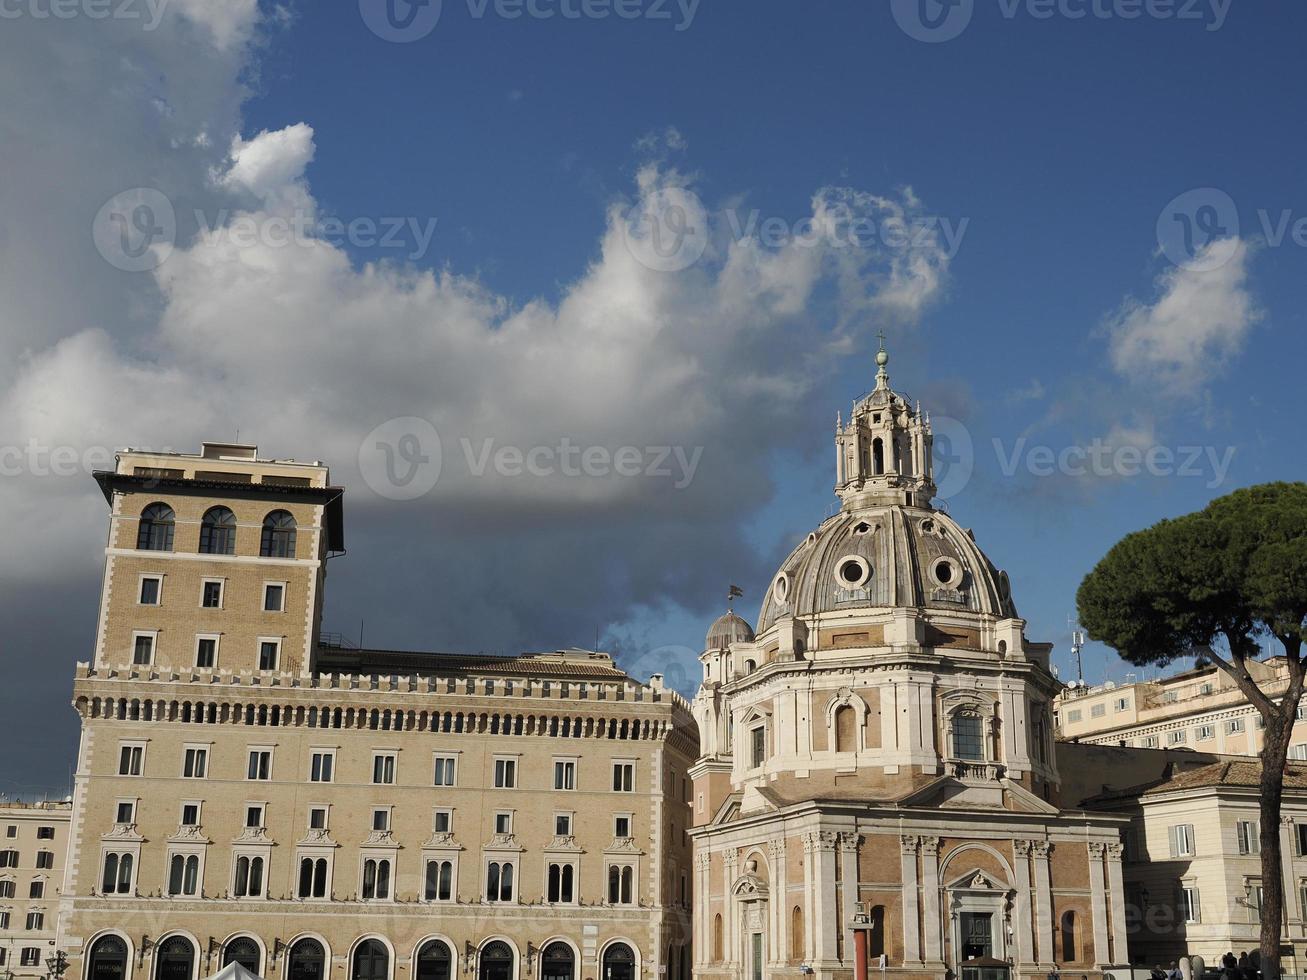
(1233, 773)
(345, 660)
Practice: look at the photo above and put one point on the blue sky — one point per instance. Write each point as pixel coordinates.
(1046, 163)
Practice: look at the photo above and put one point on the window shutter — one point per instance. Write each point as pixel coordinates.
(1174, 834)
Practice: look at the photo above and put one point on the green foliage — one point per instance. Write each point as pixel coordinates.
(1236, 570)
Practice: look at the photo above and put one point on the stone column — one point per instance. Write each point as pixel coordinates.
(1115, 885)
(826, 911)
(1043, 902)
(1098, 901)
(1021, 913)
(780, 903)
(729, 911)
(848, 888)
(703, 908)
(911, 925)
(933, 947)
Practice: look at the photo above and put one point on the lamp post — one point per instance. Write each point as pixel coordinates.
(56, 964)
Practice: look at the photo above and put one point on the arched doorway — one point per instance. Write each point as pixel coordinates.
(435, 962)
(306, 960)
(557, 962)
(496, 961)
(371, 961)
(242, 950)
(175, 959)
(619, 962)
(108, 959)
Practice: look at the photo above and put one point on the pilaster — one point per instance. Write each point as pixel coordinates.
(911, 917)
(1043, 903)
(932, 922)
(1098, 900)
(1022, 912)
(1116, 887)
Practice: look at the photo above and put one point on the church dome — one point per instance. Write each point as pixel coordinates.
(881, 556)
(728, 630)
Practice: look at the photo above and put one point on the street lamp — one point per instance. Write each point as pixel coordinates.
(56, 964)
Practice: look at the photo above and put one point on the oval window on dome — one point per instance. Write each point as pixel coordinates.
(781, 589)
(853, 572)
(946, 572)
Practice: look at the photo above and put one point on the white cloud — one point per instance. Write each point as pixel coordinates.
(271, 167)
(1199, 321)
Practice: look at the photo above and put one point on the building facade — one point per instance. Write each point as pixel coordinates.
(1201, 709)
(248, 792)
(1193, 873)
(876, 784)
(35, 839)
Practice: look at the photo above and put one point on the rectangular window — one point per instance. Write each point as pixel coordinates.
(254, 816)
(195, 763)
(151, 588)
(503, 823)
(190, 814)
(1302, 840)
(130, 758)
(443, 821)
(1190, 907)
(1148, 742)
(505, 773)
(1098, 711)
(1182, 840)
(758, 746)
(274, 597)
(1073, 716)
(317, 818)
(623, 777)
(1121, 704)
(622, 826)
(31, 956)
(562, 825)
(444, 770)
(383, 769)
(126, 812)
(269, 654)
(35, 921)
(45, 860)
(1298, 752)
(36, 889)
(1175, 738)
(211, 593)
(1254, 902)
(1234, 726)
(1205, 733)
(381, 819)
(1247, 834)
(143, 649)
(45, 833)
(260, 767)
(206, 651)
(321, 766)
(564, 774)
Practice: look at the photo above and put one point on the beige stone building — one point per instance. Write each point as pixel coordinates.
(33, 841)
(247, 792)
(876, 784)
(1193, 872)
(1200, 709)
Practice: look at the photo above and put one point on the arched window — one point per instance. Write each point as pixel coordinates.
(499, 881)
(249, 877)
(878, 457)
(306, 959)
(1069, 937)
(876, 935)
(376, 879)
(313, 878)
(968, 742)
(846, 729)
(497, 961)
(117, 874)
(242, 950)
(557, 962)
(218, 532)
(108, 959)
(619, 962)
(797, 948)
(175, 959)
(434, 961)
(621, 884)
(154, 532)
(183, 874)
(717, 938)
(371, 961)
(278, 535)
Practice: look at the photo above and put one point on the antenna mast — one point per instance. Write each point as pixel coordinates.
(1077, 644)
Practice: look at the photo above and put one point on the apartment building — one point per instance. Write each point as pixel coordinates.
(33, 841)
(248, 792)
(1201, 709)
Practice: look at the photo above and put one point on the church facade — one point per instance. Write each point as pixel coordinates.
(877, 787)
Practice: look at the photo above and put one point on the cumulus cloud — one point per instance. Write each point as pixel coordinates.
(1200, 319)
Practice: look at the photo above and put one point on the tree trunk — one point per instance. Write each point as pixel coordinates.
(1275, 750)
